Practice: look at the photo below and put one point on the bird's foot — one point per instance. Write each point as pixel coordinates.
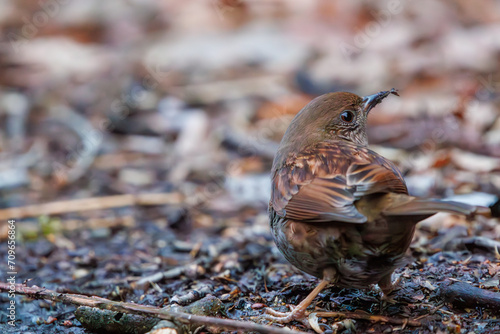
(385, 287)
(296, 313)
(385, 299)
(388, 286)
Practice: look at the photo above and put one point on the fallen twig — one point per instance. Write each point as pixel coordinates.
(464, 295)
(369, 317)
(36, 292)
(171, 273)
(72, 225)
(472, 244)
(86, 204)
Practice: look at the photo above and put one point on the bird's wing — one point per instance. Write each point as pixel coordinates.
(322, 184)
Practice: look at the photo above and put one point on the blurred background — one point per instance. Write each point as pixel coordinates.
(166, 96)
(189, 100)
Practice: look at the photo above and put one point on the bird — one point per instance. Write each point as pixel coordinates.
(338, 210)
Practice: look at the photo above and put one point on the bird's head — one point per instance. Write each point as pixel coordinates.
(338, 115)
(333, 116)
(345, 115)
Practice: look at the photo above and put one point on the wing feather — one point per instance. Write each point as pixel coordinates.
(323, 183)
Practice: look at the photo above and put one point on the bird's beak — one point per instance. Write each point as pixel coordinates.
(371, 101)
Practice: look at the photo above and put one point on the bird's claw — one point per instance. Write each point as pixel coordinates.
(387, 300)
(285, 317)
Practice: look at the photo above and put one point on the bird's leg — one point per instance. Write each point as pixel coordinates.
(387, 285)
(298, 312)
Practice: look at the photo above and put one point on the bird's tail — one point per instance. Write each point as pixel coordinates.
(421, 206)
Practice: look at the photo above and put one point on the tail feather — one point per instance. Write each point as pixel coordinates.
(421, 206)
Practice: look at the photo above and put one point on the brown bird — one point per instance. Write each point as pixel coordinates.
(338, 210)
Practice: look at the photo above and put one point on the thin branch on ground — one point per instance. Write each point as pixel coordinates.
(370, 317)
(86, 204)
(464, 295)
(36, 292)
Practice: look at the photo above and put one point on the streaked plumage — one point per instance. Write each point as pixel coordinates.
(316, 223)
(338, 210)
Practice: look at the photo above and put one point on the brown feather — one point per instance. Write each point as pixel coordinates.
(408, 206)
(321, 185)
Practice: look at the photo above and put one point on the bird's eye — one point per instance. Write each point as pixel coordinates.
(347, 116)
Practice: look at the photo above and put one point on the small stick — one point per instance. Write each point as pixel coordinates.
(36, 292)
(158, 276)
(463, 295)
(74, 224)
(86, 204)
(370, 317)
